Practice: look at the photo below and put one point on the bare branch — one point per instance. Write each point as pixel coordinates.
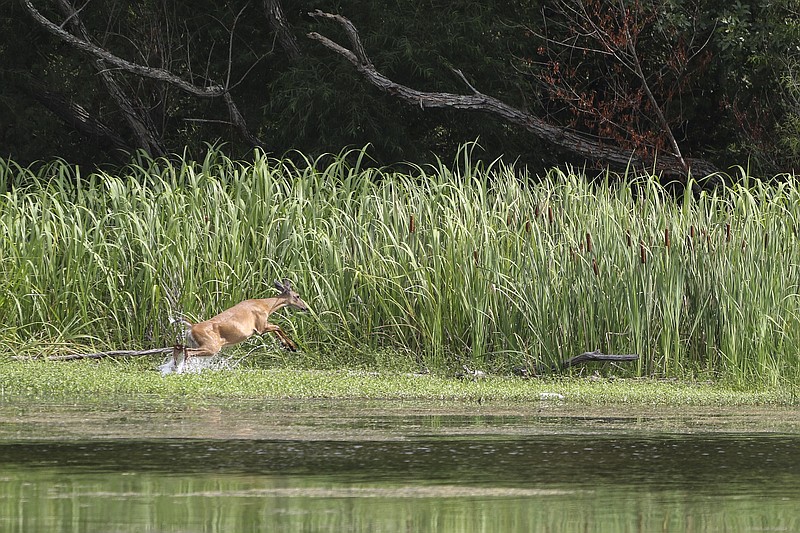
(75, 115)
(460, 74)
(230, 46)
(279, 25)
(352, 33)
(143, 130)
(212, 90)
(637, 65)
(239, 122)
(567, 139)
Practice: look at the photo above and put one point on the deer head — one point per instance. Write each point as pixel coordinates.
(292, 298)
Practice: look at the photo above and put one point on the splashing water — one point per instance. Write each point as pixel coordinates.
(198, 364)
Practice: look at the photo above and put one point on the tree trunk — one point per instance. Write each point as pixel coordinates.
(280, 26)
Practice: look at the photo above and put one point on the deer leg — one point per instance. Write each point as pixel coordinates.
(200, 351)
(177, 350)
(284, 339)
(199, 344)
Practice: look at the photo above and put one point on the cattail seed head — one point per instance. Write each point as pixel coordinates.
(411, 226)
(642, 253)
(595, 268)
(728, 232)
(550, 214)
(666, 238)
(588, 242)
(628, 238)
(527, 226)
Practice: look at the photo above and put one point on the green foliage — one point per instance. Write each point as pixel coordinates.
(320, 103)
(127, 383)
(756, 53)
(434, 268)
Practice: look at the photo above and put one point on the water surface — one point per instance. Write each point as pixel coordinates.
(344, 466)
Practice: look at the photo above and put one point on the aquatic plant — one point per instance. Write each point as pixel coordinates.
(438, 267)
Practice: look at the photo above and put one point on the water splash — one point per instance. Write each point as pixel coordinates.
(196, 365)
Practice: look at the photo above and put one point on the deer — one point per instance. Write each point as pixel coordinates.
(235, 325)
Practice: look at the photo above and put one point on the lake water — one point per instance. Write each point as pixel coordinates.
(345, 466)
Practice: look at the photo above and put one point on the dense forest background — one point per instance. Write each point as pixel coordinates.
(693, 83)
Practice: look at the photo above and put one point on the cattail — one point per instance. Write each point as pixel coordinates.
(475, 256)
(550, 214)
(691, 231)
(628, 238)
(728, 232)
(666, 238)
(766, 240)
(508, 220)
(411, 226)
(538, 210)
(588, 242)
(642, 253)
(595, 268)
(527, 226)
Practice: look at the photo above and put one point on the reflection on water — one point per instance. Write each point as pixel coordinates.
(443, 473)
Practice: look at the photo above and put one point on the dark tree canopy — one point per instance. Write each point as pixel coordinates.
(693, 79)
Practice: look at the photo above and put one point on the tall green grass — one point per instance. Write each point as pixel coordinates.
(433, 267)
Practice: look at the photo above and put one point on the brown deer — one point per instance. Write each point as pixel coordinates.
(235, 325)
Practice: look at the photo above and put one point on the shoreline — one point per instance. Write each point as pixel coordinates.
(92, 383)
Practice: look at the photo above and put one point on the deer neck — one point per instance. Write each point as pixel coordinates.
(273, 304)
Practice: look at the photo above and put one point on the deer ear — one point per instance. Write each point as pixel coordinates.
(287, 284)
(279, 286)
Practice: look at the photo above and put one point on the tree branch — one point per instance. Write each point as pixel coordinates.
(212, 90)
(143, 129)
(75, 115)
(569, 140)
(280, 26)
(634, 58)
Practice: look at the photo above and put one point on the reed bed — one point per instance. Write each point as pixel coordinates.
(434, 267)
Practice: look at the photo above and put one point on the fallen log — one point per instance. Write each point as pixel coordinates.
(585, 357)
(596, 355)
(100, 355)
